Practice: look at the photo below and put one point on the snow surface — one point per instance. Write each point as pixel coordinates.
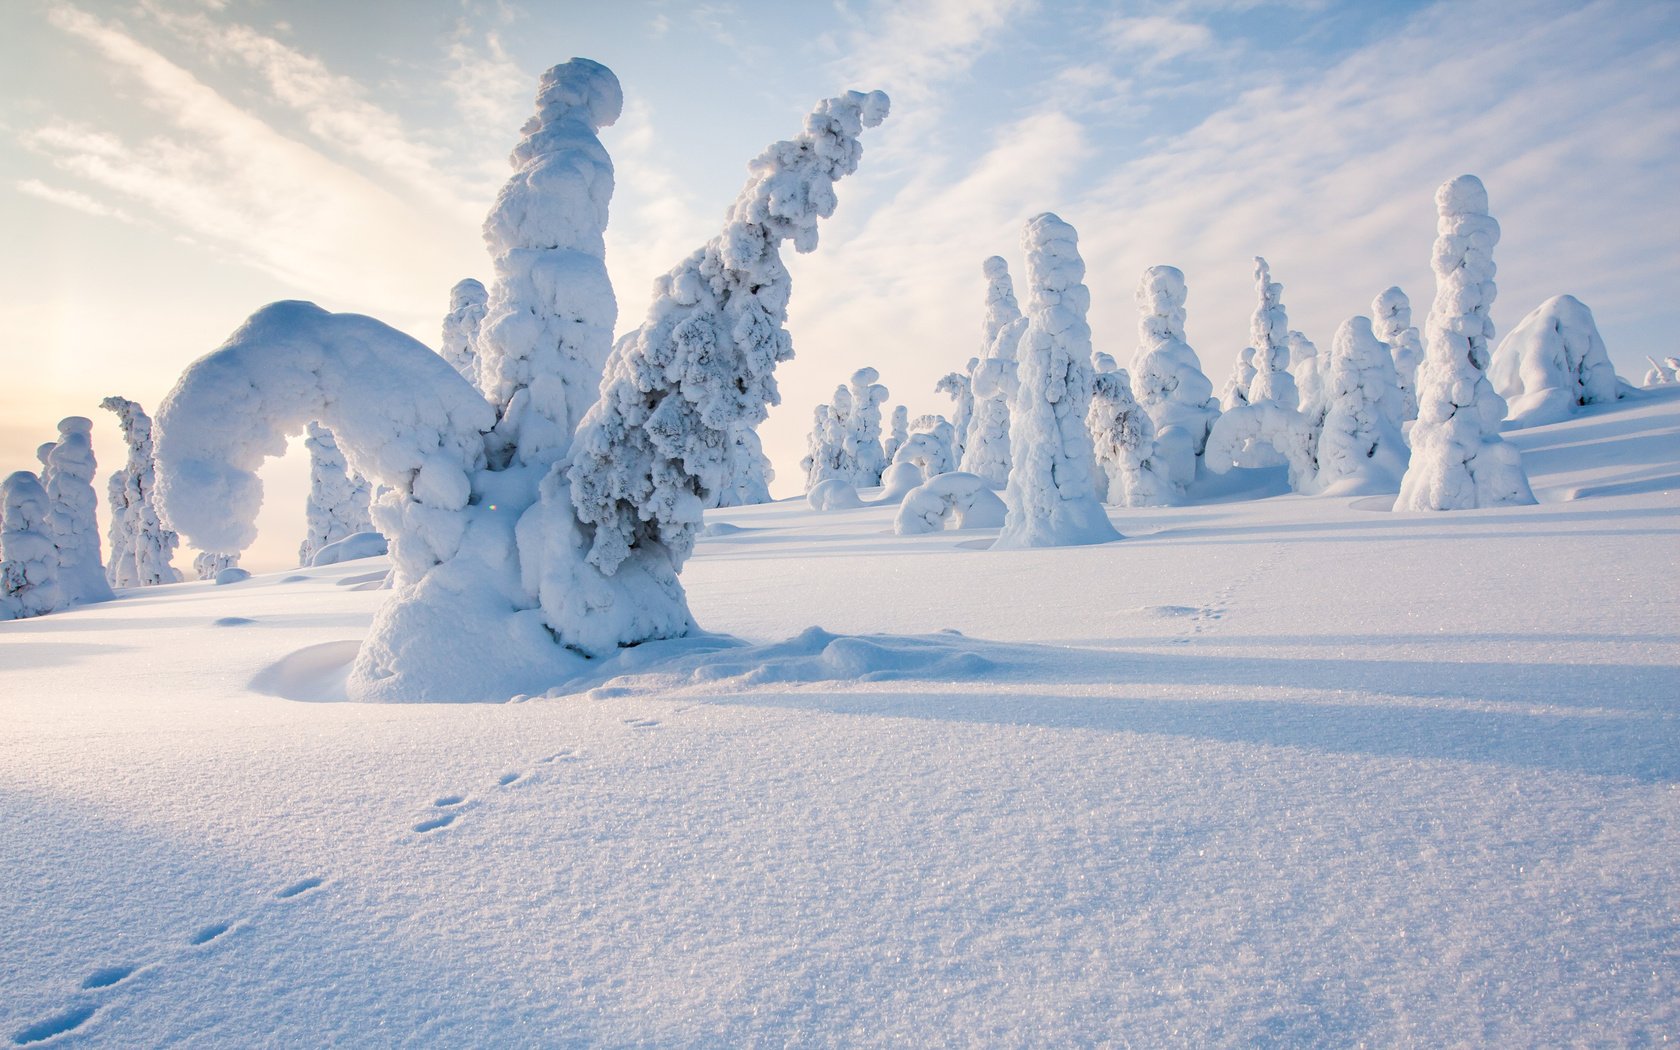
(1244, 778)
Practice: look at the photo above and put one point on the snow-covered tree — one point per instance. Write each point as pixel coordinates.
(1658, 375)
(1552, 363)
(207, 565)
(900, 432)
(1269, 334)
(75, 523)
(864, 426)
(142, 547)
(339, 499)
(986, 445)
(1167, 376)
(1359, 448)
(747, 474)
(468, 303)
(1458, 459)
(28, 556)
(1391, 319)
(931, 446)
(1050, 494)
(823, 448)
(1123, 437)
(1310, 370)
(1235, 394)
(960, 387)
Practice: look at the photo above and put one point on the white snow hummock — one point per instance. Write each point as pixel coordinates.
(833, 494)
(986, 445)
(1051, 497)
(142, 549)
(1391, 319)
(28, 557)
(74, 512)
(339, 499)
(1167, 377)
(468, 303)
(1552, 363)
(1458, 459)
(954, 500)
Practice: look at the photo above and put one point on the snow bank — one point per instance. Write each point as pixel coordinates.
(956, 501)
(351, 548)
(1552, 363)
(833, 494)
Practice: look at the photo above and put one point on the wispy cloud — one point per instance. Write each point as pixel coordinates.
(1157, 39)
(72, 199)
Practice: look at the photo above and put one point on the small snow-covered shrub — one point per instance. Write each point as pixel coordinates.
(207, 565)
(1235, 393)
(1552, 363)
(1458, 459)
(1311, 372)
(899, 479)
(351, 548)
(28, 556)
(898, 435)
(75, 525)
(956, 500)
(1052, 466)
(747, 472)
(1391, 319)
(928, 447)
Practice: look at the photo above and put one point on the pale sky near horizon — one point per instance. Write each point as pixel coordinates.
(168, 166)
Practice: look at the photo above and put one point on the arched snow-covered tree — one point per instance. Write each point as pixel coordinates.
(1269, 333)
(950, 500)
(75, 523)
(1458, 459)
(468, 303)
(1123, 438)
(1167, 376)
(1391, 319)
(1050, 493)
(28, 556)
(986, 447)
(339, 498)
(142, 547)
(1359, 449)
(1552, 363)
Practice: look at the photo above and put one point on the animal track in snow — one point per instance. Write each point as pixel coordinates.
(509, 779)
(299, 887)
(435, 823)
(565, 754)
(106, 976)
(209, 933)
(641, 723)
(446, 801)
(68, 1021)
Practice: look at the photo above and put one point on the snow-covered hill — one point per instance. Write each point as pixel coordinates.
(1286, 771)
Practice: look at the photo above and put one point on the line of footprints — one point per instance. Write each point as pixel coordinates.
(98, 986)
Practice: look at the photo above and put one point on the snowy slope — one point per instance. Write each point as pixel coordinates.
(1289, 771)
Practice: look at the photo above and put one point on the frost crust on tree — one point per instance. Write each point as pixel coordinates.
(142, 548)
(468, 303)
(28, 556)
(986, 445)
(1552, 363)
(75, 513)
(1458, 459)
(1050, 493)
(1391, 319)
(954, 500)
(1167, 376)
(1123, 439)
(339, 499)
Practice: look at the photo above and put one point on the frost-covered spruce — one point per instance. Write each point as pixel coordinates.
(75, 523)
(864, 425)
(747, 475)
(820, 463)
(1391, 319)
(899, 434)
(1269, 335)
(960, 387)
(702, 363)
(1167, 376)
(1656, 375)
(1359, 448)
(1123, 437)
(207, 565)
(1050, 494)
(1235, 394)
(1458, 458)
(1311, 372)
(548, 325)
(142, 547)
(1552, 363)
(339, 498)
(468, 303)
(28, 556)
(931, 446)
(986, 445)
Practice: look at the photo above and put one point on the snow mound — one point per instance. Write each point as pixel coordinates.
(232, 575)
(316, 673)
(956, 500)
(351, 548)
(1551, 364)
(833, 494)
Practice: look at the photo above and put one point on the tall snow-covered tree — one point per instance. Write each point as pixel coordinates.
(1359, 448)
(1458, 459)
(1123, 437)
(1269, 333)
(75, 522)
(1167, 376)
(1391, 319)
(986, 448)
(1235, 394)
(960, 387)
(1050, 494)
(28, 556)
(867, 396)
(1552, 363)
(339, 498)
(899, 433)
(142, 547)
(468, 303)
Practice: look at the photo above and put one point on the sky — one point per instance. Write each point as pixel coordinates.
(169, 166)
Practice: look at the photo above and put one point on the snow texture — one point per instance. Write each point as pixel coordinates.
(1123, 439)
(75, 523)
(1458, 459)
(1269, 335)
(986, 447)
(1391, 318)
(549, 322)
(955, 500)
(1167, 376)
(1552, 363)
(468, 303)
(142, 548)
(339, 499)
(1359, 450)
(28, 556)
(1051, 499)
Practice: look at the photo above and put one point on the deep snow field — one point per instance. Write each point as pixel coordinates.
(1286, 771)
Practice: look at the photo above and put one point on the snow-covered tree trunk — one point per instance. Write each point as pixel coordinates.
(75, 522)
(986, 448)
(960, 387)
(339, 499)
(864, 423)
(148, 546)
(1359, 448)
(28, 556)
(1458, 459)
(1050, 492)
(1167, 376)
(1391, 319)
(1123, 437)
(468, 303)
(1552, 363)
(1269, 332)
